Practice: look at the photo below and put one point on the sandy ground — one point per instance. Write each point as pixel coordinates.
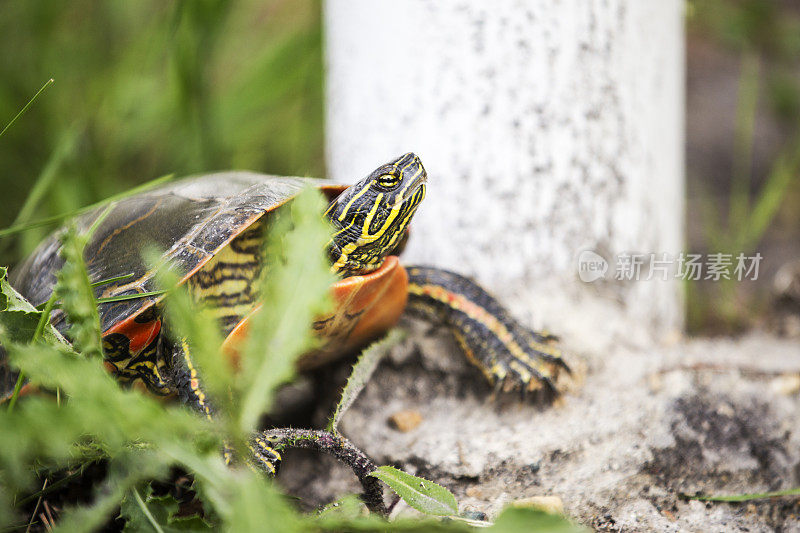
(637, 427)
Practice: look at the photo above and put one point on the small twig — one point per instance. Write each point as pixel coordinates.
(47, 525)
(342, 449)
(49, 514)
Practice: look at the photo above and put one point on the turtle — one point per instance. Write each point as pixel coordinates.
(211, 228)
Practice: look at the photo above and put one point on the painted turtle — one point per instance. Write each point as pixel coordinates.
(211, 228)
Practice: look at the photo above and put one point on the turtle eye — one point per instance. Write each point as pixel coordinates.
(388, 181)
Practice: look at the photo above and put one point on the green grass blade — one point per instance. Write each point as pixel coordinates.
(15, 394)
(745, 497)
(44, 320)
(99, 411)
(146, 186)
(125, 297)
(112, 280)
(47, 84)
(49, 221)
(784, 170)
(121, 297)
(42, 222)
(743, 139)
(64, 148)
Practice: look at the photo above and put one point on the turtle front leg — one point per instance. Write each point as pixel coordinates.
(266, 446)
(510, 355)
(188, 386)
(335, 444)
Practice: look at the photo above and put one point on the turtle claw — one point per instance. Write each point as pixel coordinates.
(545, 336)
(528, 371)
(532, 391)
(510, 355)
(266, 456)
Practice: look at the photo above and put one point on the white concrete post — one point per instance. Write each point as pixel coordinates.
(547, 128)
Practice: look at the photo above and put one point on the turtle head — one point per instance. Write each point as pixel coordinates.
(370, 218)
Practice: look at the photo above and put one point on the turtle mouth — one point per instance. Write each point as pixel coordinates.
(351, 267)
(375, 271)
(418, 183)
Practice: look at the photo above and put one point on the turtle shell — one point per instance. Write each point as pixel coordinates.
(193, 220)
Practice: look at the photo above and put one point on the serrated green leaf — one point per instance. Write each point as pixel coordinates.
(362, 372)
(294, 291)
(124, 413)
(18, 319)
(3, 283)
(74, 289)
(13, 302)
(18, 326)
(10, 299)
(423, 495)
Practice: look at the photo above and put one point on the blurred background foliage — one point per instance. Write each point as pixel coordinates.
(148, 88)
(145, 88)
(742, 151)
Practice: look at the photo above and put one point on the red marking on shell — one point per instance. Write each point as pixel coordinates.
(139, 334)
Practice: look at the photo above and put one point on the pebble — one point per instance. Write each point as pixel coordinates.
(786, 384)
(406, 420)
